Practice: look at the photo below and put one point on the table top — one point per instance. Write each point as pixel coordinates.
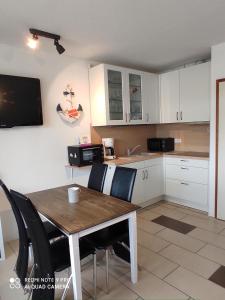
(92, 209)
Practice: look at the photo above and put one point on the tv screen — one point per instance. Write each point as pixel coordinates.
(20, 101)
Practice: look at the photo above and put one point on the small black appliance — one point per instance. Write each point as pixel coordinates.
(160, 144)
(84, 155)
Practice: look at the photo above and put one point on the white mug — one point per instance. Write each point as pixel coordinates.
(73, 194)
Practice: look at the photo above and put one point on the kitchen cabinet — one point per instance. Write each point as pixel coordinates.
(195, 93)
(149, 181)
(148, 186)
(185, 94)
(122, 96)
(177, 179)
(186, 182)
(170, 97)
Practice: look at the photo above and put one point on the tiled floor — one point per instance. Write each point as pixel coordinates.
(174, 263)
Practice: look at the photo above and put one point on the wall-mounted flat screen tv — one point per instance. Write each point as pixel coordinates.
(20, 101)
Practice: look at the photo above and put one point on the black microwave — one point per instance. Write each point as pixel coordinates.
(160, 144)
(84, 155)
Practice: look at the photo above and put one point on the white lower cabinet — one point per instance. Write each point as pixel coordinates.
(186, 182)
(148, 183)
(188, 193)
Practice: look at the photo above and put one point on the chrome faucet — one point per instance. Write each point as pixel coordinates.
(130, 151)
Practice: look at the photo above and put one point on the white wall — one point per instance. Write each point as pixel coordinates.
(217, 72)
(34, 158)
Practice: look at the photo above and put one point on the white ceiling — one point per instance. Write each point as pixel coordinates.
(149, 34)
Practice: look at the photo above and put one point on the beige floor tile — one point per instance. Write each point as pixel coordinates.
(195, 286)
(172, 213)
(209, 224)
(150, 287)
(7, 293)
(190, 261)
(148, 226)
(185, 210)
(213, 253)
(150, 241)
(117, 267)
(7, 265)
(148, 215)
(14, 245)
(181, 240)
(209, 237)
(154, 262)
(222, 232)
(117, 289)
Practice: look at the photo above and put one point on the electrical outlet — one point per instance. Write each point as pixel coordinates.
(178, 141)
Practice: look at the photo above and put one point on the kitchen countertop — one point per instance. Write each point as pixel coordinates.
(123, 160)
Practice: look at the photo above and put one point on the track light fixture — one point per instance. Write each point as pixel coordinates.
(32, 42)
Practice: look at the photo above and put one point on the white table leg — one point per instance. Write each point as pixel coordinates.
(133, 247)
(75, 266)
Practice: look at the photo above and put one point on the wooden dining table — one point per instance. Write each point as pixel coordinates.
(91, 213)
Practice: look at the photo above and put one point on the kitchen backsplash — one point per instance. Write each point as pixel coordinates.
(194, 137)
(125, 136)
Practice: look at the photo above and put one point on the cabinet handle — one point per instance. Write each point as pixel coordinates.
(126, 117)
(181, 115)
(182, 168)
(184, 183)
(184, 160)
(177, 115)
(147, 117)
(143, 175)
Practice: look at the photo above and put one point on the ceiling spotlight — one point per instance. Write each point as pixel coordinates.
(32, 42)
(59, 47)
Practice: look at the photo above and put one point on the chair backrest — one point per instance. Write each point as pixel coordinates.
(22, 259)
(97, 177)
(123, 183)
(40, 244)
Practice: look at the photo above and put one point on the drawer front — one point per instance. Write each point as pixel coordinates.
(135, 165)
(189, 192)
(199, 163)
(144, 163)
(153, 162)
(187, 173)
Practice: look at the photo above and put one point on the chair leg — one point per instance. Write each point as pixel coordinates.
(94, 275)
(107, 269)
(128, 248)
(66, 288)
(29, 290)
(30, 255)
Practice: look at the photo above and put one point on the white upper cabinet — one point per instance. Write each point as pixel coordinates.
(121, 96)
(151, 98)
(170, 97)
(195, 93)
(185, 94)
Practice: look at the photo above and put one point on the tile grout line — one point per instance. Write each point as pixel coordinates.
(119, 279)
(186, 267)
(208, 243)
(170, 243)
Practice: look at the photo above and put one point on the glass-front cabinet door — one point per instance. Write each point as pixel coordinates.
(116, 107)
(135, 98)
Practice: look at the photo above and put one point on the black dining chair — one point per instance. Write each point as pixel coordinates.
(97, 177)
(21, 266)
(122, 188)
(48, 257)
